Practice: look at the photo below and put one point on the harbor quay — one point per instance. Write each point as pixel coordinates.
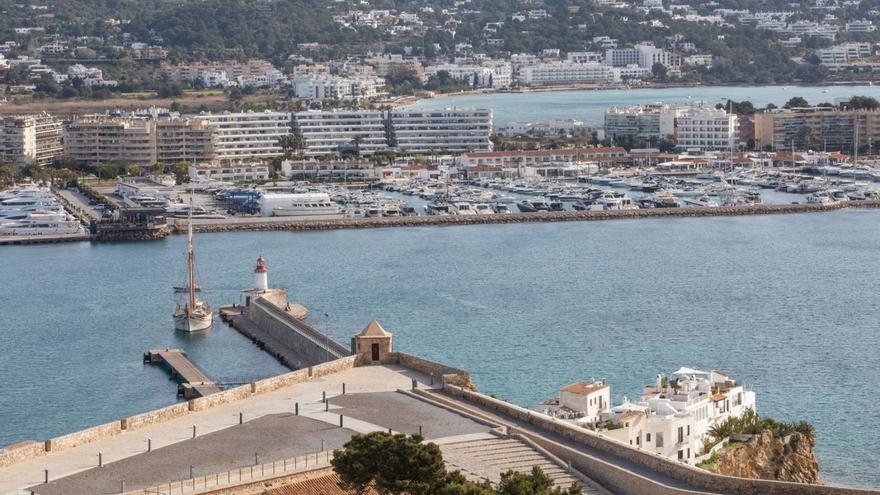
(276, 223)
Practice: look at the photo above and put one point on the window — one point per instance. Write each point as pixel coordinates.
(680, 434)
(659, 439)
(647, 437)
(681, 454)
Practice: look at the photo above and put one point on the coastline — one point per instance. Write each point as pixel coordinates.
(408, 100)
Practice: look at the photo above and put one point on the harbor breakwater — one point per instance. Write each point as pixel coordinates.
(555, 216)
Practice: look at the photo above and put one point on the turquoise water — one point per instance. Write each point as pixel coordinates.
(787, 304)
(590, 106)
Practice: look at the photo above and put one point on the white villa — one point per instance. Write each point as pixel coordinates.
(671, 418)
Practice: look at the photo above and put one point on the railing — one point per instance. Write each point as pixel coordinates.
(237, 476)
(321, 340)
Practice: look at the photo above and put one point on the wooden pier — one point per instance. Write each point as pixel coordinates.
(195, 383)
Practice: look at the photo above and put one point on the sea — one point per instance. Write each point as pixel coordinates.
(589, 105)
(787, 304)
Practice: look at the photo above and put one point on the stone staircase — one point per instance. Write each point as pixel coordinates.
(485, 456)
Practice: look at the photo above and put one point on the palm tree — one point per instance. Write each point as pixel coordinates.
(290, 144)
(357, 140)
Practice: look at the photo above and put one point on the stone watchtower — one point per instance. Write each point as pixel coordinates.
(374, 344)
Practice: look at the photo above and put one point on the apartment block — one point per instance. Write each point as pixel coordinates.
(706, 130)
(646, 123)
(566, 73)
(407, 131)
(30, 139)
(102, 140)
(830, 129)
(445, 131)
(330, 132)
(247, 135)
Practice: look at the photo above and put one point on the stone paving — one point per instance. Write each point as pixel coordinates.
(405, 414)
(269, 438)
(132, 443)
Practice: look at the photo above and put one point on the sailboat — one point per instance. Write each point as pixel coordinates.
(195, 314)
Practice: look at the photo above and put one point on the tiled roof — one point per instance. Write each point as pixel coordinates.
(321, 485)
(583, 388)
(568, 151)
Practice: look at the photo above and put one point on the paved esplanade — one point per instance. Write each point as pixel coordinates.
(132, 443)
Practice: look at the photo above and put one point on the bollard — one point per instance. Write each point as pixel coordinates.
(420, 430)
(326, 406)
(45, 476)
(343, 388)
(324, 396)
(149, 445)
(240, 418)
(194, 431)
(340, 421)
(100, 459)
(415, 384)
(296, 409)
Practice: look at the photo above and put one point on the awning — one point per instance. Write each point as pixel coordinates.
(690, 371)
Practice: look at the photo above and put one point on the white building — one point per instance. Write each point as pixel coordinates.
(497, 75)
(325, 86)
(440, 131)
(673, 415)
(30, 139)
(237, 172)
(706, 130)
(643, 122)
(331, 132)
(247, 135)
(567, 73)
(587, 399)
(862, 26)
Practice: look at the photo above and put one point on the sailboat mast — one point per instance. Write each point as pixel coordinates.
(190, 261)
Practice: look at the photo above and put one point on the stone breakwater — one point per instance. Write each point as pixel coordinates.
(558, 216)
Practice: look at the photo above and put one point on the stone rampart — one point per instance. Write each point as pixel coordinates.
(555, 216)
(692, 476)
(21, 451)
(82, 437)
(282, 335)
(225, 397)
(280, 381)
(335, 366)
(152, 417)
(443, 373)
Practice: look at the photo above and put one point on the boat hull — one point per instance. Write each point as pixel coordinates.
(193, 323)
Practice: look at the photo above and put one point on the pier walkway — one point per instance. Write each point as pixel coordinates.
(196, 382)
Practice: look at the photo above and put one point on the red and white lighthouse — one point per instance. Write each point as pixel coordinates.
(261, 275)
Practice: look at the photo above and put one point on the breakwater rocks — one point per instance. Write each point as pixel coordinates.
(131, 235)
(558, 216)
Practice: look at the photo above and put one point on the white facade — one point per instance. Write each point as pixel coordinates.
(497, 75)
(673, 415)
(325, 86)
(238, 172)
(246, 135)
(449, 130)
(706, 130)
(589, 400)
(566, 73)
(329, 132)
